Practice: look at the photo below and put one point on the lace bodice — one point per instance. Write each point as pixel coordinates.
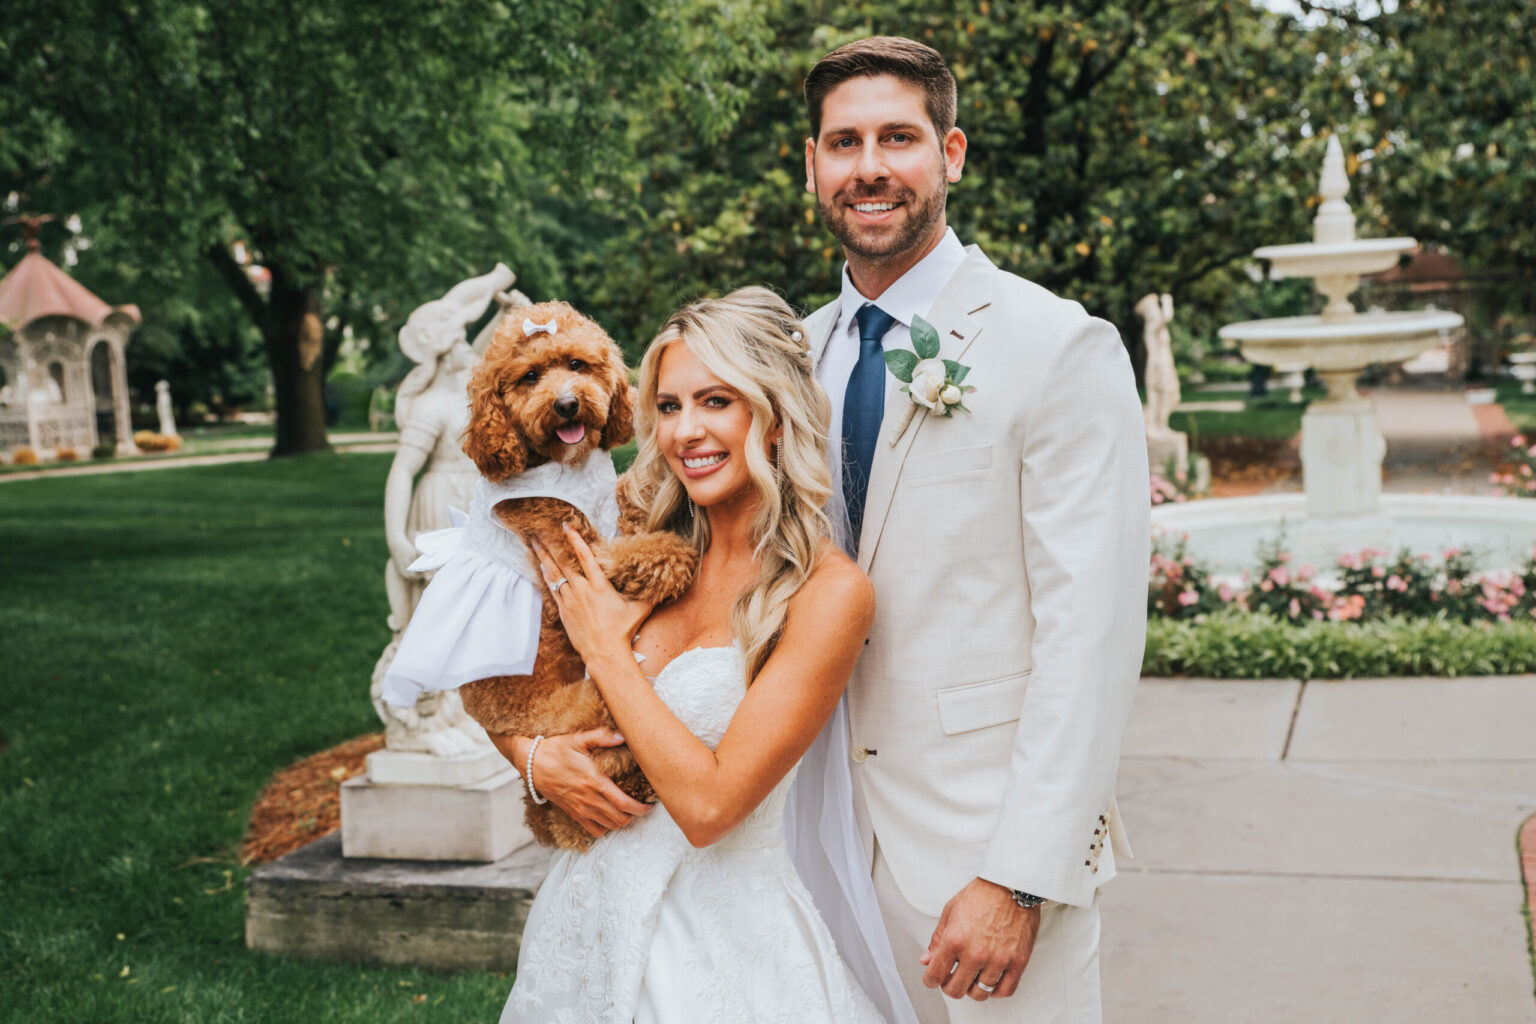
(645, 928)
(703, 686)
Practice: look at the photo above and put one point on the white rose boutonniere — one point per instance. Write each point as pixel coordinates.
(937, 385)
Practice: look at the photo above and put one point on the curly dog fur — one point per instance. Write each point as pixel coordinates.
(526, 389)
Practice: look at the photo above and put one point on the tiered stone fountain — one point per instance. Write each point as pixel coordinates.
(1343, 508)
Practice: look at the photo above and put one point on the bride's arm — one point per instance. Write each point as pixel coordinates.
(709, 792)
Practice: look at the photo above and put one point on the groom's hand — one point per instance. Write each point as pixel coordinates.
(982, 943)
(563, 773)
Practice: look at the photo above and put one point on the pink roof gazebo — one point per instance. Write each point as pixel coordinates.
(63, 378)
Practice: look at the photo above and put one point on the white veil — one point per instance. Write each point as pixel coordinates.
(824, 843)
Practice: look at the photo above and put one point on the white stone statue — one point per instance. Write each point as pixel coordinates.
(163, 407)
(431, 410)
(1164, 444)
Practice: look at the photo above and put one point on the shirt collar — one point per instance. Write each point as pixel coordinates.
(915, 292)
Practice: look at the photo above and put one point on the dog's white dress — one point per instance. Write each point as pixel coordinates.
(479, 617)
(643, 927)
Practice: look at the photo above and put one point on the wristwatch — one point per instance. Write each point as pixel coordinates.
(1026, 900)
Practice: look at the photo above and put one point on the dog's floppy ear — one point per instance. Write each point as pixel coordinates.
(620, 428)
(491, 440)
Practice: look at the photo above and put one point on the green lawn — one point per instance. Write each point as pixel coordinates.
(1274, 418)
(1518, 406)
(170, 640)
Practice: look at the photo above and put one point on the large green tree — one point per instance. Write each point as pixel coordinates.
(1115, 149)
(357, 151)
(1438, 102)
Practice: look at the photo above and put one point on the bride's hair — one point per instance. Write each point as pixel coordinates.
(755, 344)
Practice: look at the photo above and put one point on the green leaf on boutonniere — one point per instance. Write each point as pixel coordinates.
(924, 338)
(956, 371)
(901, 363)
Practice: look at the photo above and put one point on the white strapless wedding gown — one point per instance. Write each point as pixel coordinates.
(644, 927)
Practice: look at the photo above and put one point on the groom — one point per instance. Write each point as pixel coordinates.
(1008, 548)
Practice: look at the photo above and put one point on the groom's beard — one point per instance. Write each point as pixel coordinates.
(923, 213)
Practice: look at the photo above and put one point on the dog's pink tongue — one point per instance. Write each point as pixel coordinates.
(571, 433)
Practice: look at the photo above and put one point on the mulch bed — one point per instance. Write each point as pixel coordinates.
(1242, 466)
(303, 801)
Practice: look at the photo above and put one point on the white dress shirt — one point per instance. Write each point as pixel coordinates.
(912, 294)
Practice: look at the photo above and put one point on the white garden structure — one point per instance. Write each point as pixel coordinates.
(63, 378)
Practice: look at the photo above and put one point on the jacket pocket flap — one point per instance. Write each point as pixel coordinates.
(922, 465)
(978, 705)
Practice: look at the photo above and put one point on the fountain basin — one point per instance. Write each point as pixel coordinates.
(1329, 345)
(1323, 259)
(1225, 533)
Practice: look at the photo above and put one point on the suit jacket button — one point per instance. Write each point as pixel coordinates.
(859, 754)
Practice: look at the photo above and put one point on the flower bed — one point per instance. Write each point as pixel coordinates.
(1377, 614)
(1366, 587)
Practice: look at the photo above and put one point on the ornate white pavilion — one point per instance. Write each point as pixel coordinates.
(63, 378)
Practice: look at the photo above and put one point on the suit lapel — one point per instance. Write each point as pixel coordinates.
(968, 292)
(820, 324)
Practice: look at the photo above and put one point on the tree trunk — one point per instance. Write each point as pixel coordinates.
(295, 337)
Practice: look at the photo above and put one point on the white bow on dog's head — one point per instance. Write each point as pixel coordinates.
(531, 328)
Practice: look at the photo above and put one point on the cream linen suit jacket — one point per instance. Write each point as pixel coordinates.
(1008, 547)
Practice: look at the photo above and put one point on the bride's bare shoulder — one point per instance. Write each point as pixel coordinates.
(837, 586)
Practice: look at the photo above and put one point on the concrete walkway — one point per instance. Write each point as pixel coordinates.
(250, 449)
(1436, 442)
(1330, 851)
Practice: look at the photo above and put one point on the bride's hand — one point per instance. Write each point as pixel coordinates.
(600, 621)
(564, 774)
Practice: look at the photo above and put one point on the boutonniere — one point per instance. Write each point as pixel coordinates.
(937, 385)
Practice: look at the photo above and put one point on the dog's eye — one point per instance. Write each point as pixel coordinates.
(530, 377)
(577, 365)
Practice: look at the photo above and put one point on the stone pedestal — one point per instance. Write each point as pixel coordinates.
(315, 904)
(419, 768)
(1167, 448)
(1341, 453)
(482, 821)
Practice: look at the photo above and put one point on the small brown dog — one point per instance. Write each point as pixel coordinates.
(562, 395)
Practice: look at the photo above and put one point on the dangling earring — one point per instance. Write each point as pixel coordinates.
(692, 512)
(778, 458)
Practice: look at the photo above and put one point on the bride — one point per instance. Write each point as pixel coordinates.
(695, 911)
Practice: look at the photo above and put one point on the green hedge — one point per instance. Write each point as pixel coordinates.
(1246, 645)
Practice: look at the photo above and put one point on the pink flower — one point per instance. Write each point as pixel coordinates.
(1266, 586)
(1295, 607)
(1518, 441)
(1395, 582)
(1493, 478)
(1225, 593)
(1188, 597)
(1450, 553)
(1281, 575)
(1378, 572)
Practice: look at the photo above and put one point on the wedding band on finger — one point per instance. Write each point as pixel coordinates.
(554, 588)
(984, 986)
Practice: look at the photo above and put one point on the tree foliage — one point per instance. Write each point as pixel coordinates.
(370, 151)
(633, 156)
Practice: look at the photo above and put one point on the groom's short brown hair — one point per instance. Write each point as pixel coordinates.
(906, 59)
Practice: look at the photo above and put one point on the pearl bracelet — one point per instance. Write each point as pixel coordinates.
(528, 772)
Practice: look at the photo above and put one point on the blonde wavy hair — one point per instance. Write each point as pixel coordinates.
(751, 340)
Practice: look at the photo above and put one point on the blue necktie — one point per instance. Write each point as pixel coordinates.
(863, 408)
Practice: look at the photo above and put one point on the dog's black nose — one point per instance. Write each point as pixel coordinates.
(565, 408)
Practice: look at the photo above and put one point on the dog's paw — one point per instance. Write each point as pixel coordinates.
(651, 567)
